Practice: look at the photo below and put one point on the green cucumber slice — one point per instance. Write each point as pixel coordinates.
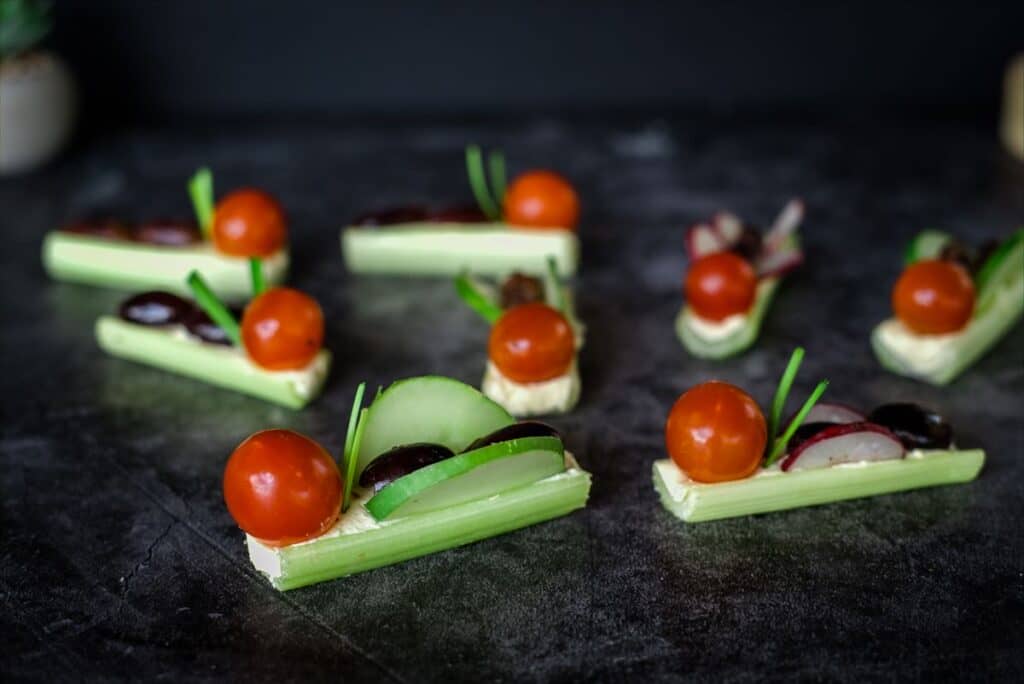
(359, 543)
(136, 267)
(1003, 267)
(738, 341)
(927, 244)
(470, 476)
(432, 409)
(774, 490)
(447, 249)
(227, 367)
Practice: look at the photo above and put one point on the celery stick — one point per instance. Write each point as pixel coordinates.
(229, 367)
(135, 267)
(359, 543)
(447, 249)
(773, 490)
(738, 341)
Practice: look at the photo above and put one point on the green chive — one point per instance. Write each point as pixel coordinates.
(471, 294)
(496, 166)
(214, 308)
(779, 447)
(478, 183)
(200, 189)
(348, 461)
(256, 274)
(553, 286)
(782, 392)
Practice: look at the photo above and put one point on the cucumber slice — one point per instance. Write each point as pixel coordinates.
(736, 342)
(470, 476)
(773, 490)
(359, 543)
(226, 367)
(927, 244)
(1002, 269)
(432, 409)
(136, 267)
(493, 249)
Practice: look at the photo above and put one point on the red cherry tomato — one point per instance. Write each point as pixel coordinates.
(531, 343)
(282, 487)
(249, 223)
(934, 297)
(542, 199)
(282, 329)
(720, 285)
(716, 432)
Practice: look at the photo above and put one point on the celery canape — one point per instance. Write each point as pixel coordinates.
(517, 230)
(935, 339)
(431, 464)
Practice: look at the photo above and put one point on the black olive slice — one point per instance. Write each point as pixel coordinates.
(389, 217)
(400, 461)
(168, 233)
(527, 428)
(199, 323)
(917, 427)
(155, 308)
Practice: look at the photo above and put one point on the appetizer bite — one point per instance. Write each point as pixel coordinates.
(510, 230)
(431, 464)
(531, 365)
(728, 460)
(275, 354)
(160, 254)
(734, 272)
(952, 304)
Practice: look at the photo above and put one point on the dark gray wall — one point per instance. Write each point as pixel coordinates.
(163, 59)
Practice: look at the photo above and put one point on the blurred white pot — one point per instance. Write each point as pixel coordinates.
(37, 106)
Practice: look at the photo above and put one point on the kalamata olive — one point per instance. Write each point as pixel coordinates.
(917, 427)
(526, 428)
(521, 289)
(108, 228)
(958, 253)
(155, 308)
(400, 461)
(168, 233)
(458, 214)
(805, 432)
(198, 323)
(749, 244)
(389, 217)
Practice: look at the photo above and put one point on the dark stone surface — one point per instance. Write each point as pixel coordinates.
(119, 560)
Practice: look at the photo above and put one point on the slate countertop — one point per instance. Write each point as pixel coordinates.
(118, 559)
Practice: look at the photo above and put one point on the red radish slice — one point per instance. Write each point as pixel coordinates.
(849, 443)
(823, 412)
(728, 226)
(789, 219)
(702, 240)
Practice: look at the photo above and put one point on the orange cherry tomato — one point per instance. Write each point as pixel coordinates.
(542, 199)
(282, 329)
(282, 487)
(720, 285)
(249, 223)
(531, 343)
(933, 297)
(716, 432)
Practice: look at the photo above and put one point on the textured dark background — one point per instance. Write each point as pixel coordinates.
(117, 557)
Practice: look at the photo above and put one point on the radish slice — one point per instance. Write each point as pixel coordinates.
(728, 226)
(834, 413)
(849, 443)
(702, 240)
(788, 220)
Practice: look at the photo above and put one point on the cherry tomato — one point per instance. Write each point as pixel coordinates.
(249, 223)
(282, 487)
(933, 297)
(716, 432)
(282, 329)
(720, 285)
(541, 199)
(531, 343)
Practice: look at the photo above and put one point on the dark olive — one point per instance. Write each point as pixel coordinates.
(389, 217)
(168, 233)
(805, 432)
(917, 427)
(110, 229)
(400, 461)
(527, 428)
(155, 308)
(958, 253)
(458, 214)
(749, 244)
(521, 289)
(198, 323)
